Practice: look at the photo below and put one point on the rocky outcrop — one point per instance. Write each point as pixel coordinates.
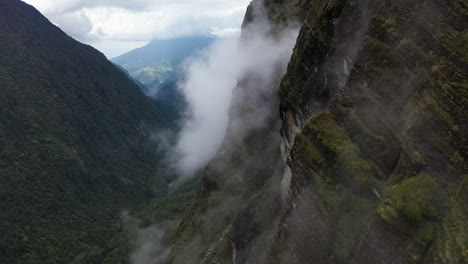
(373, 136)
(238, 202)
(373, 110)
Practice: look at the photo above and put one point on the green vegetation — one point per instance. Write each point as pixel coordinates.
(349, 213)
(159, 62)
(343, 177)
(451, 243)
(155, 74)
(400, 113)
(75, 147)
(416, 198)
(419, 208)
(369, 95)
(426, 233)
(313, 45)
(338, 148)
(386, 27)
(162, 212)
(309, 154)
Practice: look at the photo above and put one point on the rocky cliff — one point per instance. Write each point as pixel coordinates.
(373, 143)
(374, 114)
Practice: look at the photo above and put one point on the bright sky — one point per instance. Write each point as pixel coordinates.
(117, 26)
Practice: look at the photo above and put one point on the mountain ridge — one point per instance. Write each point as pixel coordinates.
(75, 145)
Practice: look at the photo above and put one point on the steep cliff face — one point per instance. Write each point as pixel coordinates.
(238, 200)
(374, 131)
(373, 139)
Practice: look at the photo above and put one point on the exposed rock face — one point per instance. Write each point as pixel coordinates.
(373, 132)
(378, 89)
(239, 199)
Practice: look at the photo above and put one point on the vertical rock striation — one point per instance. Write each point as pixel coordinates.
(373, 139)
(374, 108)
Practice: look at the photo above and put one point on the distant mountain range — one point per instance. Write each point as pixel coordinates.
(159, 62)
(156, 68)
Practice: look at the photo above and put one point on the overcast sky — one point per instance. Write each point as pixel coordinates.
(117, 26)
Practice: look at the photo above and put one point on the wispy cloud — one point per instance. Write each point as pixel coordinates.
(208, 89)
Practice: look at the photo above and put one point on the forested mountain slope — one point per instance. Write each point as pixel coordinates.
(74, 143)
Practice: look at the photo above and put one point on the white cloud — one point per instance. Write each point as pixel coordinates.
(225, 32)
(103, 23)
(208, 88)
(114, 48)
(70, 21)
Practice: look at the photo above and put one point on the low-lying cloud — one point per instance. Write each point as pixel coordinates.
(209, 85)
(149, 247)
(150, 244)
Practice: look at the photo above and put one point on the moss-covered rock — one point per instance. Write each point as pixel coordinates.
(344, 162)
(417, 198)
